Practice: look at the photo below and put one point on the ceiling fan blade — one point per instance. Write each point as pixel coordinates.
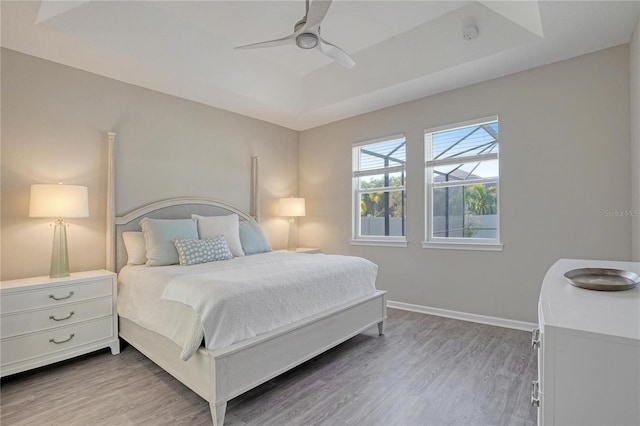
(317, 11)
(335, 53)
(291, 38)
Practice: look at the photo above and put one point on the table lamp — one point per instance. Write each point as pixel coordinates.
(292, 207)
(59, 201)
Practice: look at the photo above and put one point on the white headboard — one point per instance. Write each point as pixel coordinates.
(175, 208)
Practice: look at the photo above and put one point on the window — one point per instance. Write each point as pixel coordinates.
(379, 197)
(462, 177)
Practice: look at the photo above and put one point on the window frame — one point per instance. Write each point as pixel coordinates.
(451, 243)
(356, 193)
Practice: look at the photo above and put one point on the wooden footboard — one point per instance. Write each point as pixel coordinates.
(223, 374)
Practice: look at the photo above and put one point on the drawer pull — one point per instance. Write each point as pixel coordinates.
(51, 296)
(535, 393)
(62, 341)
(51, 317)
(535, 338)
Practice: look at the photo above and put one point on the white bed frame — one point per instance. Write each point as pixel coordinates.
(220, 375)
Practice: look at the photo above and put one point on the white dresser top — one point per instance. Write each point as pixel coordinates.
(615, 313)
(45, 281)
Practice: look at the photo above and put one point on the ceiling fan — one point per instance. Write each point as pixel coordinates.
(306, 35)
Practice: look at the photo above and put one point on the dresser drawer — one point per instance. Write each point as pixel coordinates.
(54, 295)
(14, 349)
(55, 316)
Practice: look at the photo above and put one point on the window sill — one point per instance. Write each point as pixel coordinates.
(379, 243)
(462, 246)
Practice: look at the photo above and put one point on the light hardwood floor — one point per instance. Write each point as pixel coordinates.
(425, 370)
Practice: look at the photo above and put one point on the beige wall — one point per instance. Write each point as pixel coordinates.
(634, 72)
(54, 119)
(564, 134)
(564, 151)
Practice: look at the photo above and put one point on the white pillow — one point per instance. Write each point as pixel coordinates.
(135, 247)
(159, 235)
(210, 227)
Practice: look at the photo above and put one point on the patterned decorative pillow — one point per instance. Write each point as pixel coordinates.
(192, 252)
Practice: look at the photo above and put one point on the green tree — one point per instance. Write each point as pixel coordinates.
(481, 200)
(372, 204)
(375, 199)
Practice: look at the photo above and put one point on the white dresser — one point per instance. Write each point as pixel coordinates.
(588, 351)
(44, 320)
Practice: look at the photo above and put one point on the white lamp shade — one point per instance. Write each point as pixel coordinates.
(58, 201)
(292, 206)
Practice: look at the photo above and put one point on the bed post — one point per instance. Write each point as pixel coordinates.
(111, 210)
(254, 208)
(217, 413)
(382, 323)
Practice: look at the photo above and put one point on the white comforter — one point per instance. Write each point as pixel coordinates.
(230, 301)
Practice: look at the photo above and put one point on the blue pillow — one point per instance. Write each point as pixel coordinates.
(159, 235)
(252, 238)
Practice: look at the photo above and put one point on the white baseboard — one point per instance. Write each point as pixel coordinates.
(464, 316)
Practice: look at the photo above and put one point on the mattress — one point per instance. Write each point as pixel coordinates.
(229, 301)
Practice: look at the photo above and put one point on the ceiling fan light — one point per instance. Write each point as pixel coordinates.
(307, 41)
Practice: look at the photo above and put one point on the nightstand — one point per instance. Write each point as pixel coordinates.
(308, 250)
(45, 320)
(305, 250)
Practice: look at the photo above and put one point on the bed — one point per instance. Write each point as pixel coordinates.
(222, 373)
